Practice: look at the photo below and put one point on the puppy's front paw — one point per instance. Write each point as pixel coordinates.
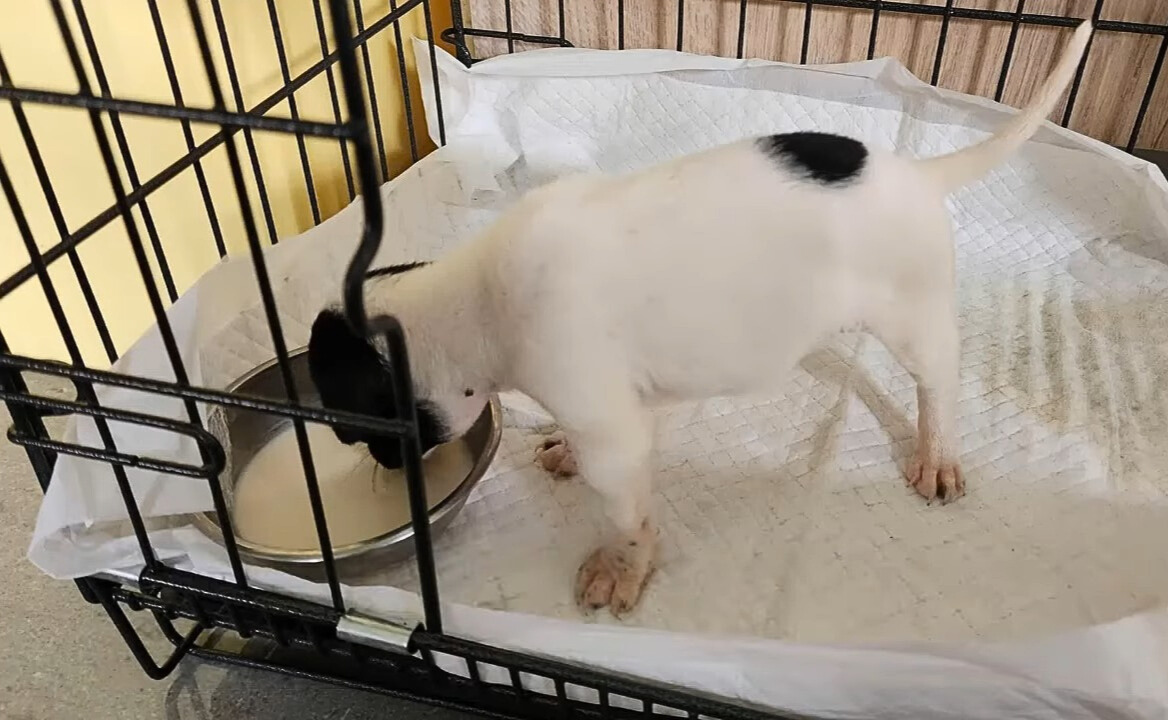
(613, 576)
(555, 456)
(935, 478)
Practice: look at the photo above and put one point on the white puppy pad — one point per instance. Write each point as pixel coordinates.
(783, 518)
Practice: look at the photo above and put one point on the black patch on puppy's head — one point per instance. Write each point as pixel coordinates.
(822, 157)
(351, 375)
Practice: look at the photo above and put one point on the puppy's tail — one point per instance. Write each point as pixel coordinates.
(968, 164)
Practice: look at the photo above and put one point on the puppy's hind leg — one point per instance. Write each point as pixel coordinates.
(924, 338)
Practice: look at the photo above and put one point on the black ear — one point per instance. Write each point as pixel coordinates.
(347, 371)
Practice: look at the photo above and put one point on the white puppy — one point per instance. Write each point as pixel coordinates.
(709, 275)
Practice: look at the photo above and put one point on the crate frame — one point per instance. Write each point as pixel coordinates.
(316, 640)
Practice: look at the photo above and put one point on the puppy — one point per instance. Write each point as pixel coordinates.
(601, 297)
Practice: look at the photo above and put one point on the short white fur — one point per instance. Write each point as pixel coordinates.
(713, 274)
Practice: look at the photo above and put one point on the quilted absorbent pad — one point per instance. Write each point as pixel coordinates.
(796, 570)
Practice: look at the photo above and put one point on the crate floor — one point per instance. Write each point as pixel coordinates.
(785, 517)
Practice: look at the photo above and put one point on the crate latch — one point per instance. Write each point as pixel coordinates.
(394, 633)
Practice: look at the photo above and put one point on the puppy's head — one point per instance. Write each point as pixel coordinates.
(351, 375)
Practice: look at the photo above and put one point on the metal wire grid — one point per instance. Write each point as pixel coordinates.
(29, 431)
(459, 35)
(170, 594)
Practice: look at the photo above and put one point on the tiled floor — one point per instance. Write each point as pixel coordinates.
(61, 659)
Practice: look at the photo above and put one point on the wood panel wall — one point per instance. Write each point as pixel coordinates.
(1113, 87)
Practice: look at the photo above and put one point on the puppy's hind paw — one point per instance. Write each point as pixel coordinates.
(936, 479)
(555, 456)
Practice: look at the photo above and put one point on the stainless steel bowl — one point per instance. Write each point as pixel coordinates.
(244, 432)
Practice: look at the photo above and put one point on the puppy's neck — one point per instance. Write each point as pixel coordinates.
(445, 310)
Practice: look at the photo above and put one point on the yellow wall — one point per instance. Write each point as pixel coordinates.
(35, 55)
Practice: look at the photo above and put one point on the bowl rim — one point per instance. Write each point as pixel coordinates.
(208, 522)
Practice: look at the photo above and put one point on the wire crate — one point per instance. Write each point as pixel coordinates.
(326, 642)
